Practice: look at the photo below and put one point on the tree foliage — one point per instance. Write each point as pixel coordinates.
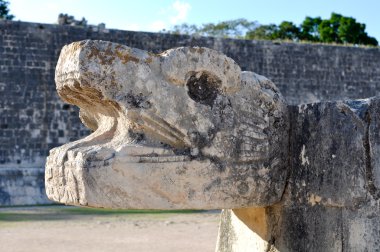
(309, 29)
(337, 29)
(226, 29)
(266, 32)
(4, 10)
(340, 29)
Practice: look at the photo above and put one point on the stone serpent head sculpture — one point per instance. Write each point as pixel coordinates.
(182, 129)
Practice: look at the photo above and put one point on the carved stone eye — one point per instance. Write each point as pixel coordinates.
(203, 88)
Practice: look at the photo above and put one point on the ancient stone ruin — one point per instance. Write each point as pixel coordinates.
(183, 129)
(187, 129)
(34, 120)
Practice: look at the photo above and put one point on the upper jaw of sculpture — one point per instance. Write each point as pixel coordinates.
(182, 129)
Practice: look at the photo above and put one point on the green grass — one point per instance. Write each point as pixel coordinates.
(49, 213)
(102, 211)
(21, 217)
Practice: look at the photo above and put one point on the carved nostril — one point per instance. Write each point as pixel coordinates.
(194, 137)
(137, 101)
(203, 88)
(136, 136)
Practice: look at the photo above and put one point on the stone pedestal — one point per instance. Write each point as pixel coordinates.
(331, 200)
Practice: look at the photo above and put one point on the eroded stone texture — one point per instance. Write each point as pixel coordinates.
(33, 119)
(182, 129)
(331, 201)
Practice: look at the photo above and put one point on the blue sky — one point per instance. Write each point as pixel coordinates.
(156, 15)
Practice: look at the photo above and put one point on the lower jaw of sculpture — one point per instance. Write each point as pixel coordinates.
(134, 177)
(95, 172)
(141, 177)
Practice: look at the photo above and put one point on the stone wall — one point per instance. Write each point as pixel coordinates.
(34, 120)
(22, 186)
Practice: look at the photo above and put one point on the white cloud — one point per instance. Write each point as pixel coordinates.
(174, 14)
(181, 9)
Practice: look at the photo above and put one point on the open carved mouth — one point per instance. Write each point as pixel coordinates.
(131, 138)
(136, 135)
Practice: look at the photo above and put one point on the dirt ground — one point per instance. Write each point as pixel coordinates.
(71, 229)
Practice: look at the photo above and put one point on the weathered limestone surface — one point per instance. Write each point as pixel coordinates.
(331, 201)
(188, 129)
(182, 129)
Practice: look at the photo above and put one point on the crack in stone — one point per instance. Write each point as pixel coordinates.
(365, 122)
(291, 111)
(373, 190)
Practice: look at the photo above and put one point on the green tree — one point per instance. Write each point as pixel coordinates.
(309, 29)
(336, 29)
(367, 40)
(4, 11)
(263, 32)
(341, 29)
(226, 29)
(326, 32)
(350, 31)
(185, 29)
(328, 29)
(287, 30)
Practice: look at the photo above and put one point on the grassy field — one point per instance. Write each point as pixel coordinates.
(60, 212)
